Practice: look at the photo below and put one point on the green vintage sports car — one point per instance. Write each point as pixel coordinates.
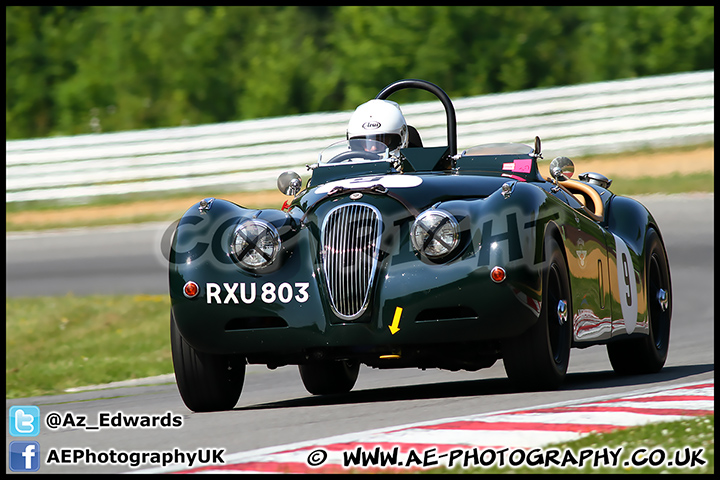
(427, 259)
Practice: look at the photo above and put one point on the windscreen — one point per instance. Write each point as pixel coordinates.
(354, 150)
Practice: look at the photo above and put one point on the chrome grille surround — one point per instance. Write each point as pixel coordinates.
(350, 246)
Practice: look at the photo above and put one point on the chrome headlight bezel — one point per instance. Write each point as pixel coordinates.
(444, 229)
(255, 244)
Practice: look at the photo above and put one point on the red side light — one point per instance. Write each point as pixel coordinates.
(497, 274)
(191, 289)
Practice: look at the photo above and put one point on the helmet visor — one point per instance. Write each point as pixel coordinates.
(392, 140)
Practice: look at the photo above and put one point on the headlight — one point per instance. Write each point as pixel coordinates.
(255, 244)
(435, 233)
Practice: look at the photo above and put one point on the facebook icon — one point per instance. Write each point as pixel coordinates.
(24, 456)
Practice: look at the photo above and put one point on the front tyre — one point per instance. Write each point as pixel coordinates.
(648, 354)
(206, 382)
(329, 377)
(538, 359)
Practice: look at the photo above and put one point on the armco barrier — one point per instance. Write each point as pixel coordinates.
(605, 117)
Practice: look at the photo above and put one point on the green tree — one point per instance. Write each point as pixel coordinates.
(75, 70)
(281, 57)
(39, 52)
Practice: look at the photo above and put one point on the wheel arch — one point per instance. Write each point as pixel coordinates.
(553, 231)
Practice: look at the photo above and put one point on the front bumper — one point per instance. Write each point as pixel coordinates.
(413, 303)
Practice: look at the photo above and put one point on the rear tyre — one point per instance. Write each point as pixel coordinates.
(329, 377)
(539, 358)
(206, 382)
(648, 354)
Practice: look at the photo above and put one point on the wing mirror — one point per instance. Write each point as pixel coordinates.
(289, 183)
(561, 169)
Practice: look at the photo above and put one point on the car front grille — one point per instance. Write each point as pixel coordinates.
(350, 247)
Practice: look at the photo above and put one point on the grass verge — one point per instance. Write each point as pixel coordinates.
(634, 173)
(667, 184)
(54, 343)
(43, 217)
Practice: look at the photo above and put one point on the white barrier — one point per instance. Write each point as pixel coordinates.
(586, 119)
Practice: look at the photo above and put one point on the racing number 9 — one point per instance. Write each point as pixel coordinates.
(626, 274)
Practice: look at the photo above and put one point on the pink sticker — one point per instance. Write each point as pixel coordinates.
(519, 166)
(522, 166)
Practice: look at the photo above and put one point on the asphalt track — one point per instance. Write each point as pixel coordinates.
(275, 409)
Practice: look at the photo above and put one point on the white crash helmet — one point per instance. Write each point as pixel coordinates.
(380, 120)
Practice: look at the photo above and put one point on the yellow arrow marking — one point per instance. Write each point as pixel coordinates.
(395, 327)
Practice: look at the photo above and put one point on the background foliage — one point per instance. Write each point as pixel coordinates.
(74, 70)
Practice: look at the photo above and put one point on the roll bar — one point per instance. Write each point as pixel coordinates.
(439, 93)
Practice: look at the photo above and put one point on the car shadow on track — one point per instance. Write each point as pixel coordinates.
(608, 378)
(481, 387)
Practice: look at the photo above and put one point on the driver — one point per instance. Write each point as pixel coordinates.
(380, 120)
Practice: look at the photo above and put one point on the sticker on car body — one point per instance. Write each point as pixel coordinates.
(387, 181)
(520, 165)
(249, 293)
